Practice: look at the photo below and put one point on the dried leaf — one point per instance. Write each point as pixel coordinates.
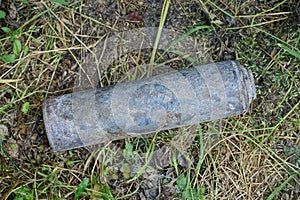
(134, 17)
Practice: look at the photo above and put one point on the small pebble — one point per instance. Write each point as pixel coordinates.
(3, 130)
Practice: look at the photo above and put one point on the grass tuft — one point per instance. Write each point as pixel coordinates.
(251, 156)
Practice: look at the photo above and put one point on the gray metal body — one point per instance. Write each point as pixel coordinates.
(199, 94)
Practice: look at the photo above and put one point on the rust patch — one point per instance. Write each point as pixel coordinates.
(177, 115)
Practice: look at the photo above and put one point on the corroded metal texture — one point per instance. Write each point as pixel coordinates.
(199, 94)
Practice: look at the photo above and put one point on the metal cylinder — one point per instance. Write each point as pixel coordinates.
(198, 94)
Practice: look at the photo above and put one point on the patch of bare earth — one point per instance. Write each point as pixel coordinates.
(253, 154)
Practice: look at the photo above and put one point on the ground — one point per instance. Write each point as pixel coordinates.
(251, 156)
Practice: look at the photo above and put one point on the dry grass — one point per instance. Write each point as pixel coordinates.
(251, 156)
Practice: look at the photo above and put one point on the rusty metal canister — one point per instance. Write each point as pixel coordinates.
(179, 98)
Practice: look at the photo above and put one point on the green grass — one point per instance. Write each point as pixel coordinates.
(251, 156)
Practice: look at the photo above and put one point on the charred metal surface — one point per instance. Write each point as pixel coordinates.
(165, 101)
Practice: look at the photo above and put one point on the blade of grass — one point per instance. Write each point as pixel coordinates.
(3, 81)
(280, 122)
(173, 43)
(62, 2)
(256, 25)
(164, 13)
(201, 154)
(81, 188)
(77, 38)
(130, 194)
(273, 36)
(254, 16)
(148, 157)
(185, 56)
(282, 43)
(215, 168)
(268, 10)
(279, 188)
(290, 51)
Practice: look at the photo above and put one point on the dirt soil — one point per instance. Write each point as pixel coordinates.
(253, 156)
